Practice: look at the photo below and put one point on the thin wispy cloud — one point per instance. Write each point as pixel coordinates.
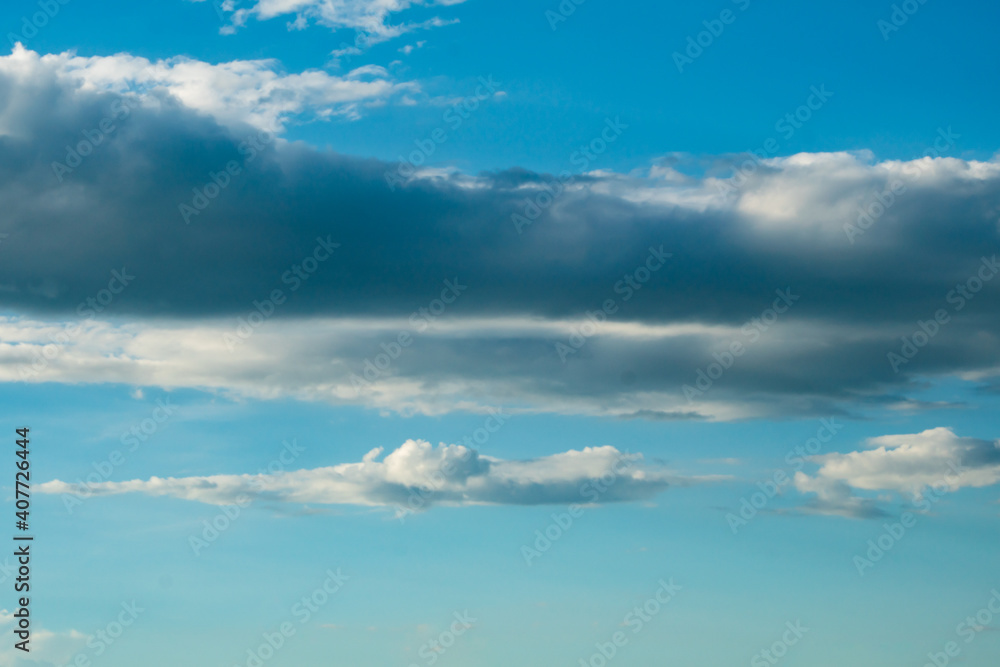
(368, 17)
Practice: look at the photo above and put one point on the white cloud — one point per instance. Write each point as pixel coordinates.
(447, 474)
(48, 648)
(324, 359)
(817, 192)
(255, 92)
(410, 48)
(369, 17)
(909, 465)
(457, 364)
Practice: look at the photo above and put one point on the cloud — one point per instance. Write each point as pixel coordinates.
(908, 465)
(442, 475)
(235, 93)
(368, 17)
(731, 248)
(122, 205)
(410, 48)
(458, 363)
(835, 498)
(449, 364)
(48, 648)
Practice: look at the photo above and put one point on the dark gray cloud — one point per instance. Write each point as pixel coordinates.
(783, 229)
(120, 207)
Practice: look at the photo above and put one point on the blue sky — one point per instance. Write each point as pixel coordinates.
(492, 329)
(890, 95)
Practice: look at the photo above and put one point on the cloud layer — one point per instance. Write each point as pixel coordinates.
(446, 474)
(730, 249)
(627, 370)
(598, 293)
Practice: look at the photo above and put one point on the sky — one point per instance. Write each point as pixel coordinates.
(400, 332)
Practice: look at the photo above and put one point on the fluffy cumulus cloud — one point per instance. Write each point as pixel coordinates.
(241, 92)
(800, 288)
(446, 474)
(909, 465)
(368, 17)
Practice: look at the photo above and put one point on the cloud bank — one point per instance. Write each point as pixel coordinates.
(655, 294)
